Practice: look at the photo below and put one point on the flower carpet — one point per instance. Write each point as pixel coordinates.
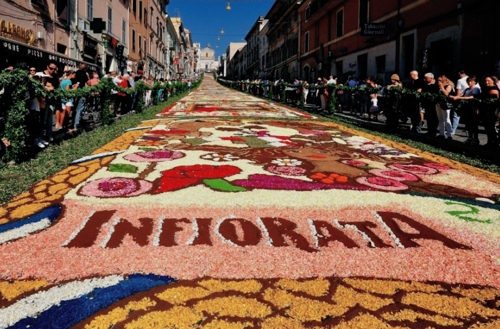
(263, 220)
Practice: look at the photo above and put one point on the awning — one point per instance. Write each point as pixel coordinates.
(20, 49)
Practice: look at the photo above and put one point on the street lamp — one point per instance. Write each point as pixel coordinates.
(228, 7)
(222, 31)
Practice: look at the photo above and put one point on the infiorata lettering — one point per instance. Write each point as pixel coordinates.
(387, 230)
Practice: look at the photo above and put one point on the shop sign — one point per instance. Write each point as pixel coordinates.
(11, 31)
(30, 52)
(374, 29)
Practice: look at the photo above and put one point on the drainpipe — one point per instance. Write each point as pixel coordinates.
(398, 41)
(77, 35)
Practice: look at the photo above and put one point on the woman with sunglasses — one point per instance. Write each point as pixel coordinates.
(52, 83)
(32, 72)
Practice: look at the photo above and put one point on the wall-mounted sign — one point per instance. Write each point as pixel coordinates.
(26, 52)
(113, 43)
(374, 29)
(12, 31)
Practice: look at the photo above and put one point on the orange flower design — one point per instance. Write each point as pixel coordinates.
(329, 178)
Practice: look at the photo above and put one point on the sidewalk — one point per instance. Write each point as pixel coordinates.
(457, 145)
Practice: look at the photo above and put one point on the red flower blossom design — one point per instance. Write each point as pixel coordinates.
(185, 176)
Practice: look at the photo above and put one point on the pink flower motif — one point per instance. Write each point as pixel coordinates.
(115, 188)
(355, 163)
(155, 156)
(395, 175)
(286, 170)
(438, 166)
(382, 183)
(414, 169)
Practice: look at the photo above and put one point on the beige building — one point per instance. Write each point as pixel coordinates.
(207, 61)
(156, 41)
(35, 32)
(114, 34)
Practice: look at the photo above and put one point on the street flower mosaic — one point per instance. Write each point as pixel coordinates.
(231, 108)
(253, 223)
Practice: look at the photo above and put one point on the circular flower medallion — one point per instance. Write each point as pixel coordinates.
(381, 183)
(115, 188)
(286, 170)
(155, 156)
(395, 175)
(414, 169)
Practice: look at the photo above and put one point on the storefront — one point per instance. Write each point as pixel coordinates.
(91, 51)
(16, 54)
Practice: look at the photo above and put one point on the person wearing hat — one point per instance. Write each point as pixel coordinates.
(395, 81)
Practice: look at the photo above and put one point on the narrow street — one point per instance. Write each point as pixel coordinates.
(229, 211)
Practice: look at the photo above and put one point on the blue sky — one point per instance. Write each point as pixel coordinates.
(206, 18)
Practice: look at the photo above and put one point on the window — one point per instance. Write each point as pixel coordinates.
(140, 44)
(339, 68)
(62, 11)
(306, 42)
(134, 6)
(124, 31)
(340, 23)
(133, 41)
(145, 48)
(364, 13)
(61, 48)
(151, 14)
(145, 17)
(40, 4)
(140, 11)
(308, 12)
(380, 64)
(90, 10)
(110, 19)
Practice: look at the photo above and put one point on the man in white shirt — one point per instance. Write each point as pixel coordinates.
(331, 80)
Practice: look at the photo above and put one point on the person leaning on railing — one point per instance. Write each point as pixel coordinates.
(470, 111)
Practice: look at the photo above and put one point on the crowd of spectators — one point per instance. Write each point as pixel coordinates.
(440, 118)
(64, 116)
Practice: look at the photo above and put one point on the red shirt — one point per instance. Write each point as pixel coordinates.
(123, 84)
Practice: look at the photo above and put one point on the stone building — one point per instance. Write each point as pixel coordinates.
(208, 63)
(34, 32)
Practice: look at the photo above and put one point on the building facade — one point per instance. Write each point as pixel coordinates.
(172, 43)
(37, 31)
(309, 39)
(229, 59)
(253, 48)
(283, 37)
(102, 33)
(138, 33)
(208, 63)
(358, 38)
(263, 50)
